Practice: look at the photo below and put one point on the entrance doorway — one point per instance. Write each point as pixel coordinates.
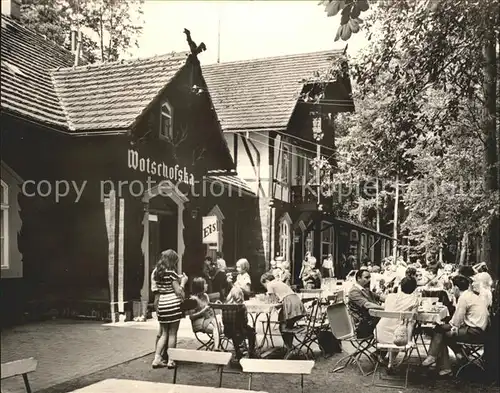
(163, 229)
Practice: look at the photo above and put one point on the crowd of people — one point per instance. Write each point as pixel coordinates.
(232, 288)
(398, 287)
(395, 286)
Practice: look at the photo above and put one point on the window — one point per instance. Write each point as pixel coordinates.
(327, 240)
(388, 251)
(4, 224)
(166, 121)
(371, 247)
(285, 165)
(309, 242)
(364, 248)
(285, 237)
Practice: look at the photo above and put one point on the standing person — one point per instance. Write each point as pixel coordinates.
(171, 293)
(219, 281)
(328, 267)
(221, 263)
(292, 308)
(207, 272)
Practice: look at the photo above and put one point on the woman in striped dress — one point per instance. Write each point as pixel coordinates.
(170, 287)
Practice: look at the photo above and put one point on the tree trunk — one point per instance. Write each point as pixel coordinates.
(490, 156)
(101, 30)
(377, 206)
(464, 245)
(395, 230)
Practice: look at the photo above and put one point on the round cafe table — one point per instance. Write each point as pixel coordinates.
(255, 308)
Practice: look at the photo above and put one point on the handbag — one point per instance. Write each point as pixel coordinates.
(401, 334)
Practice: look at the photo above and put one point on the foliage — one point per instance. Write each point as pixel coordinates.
(424, 110)
(109, 27)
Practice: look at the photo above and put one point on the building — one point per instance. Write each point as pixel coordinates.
(270, 118)
(102, 167)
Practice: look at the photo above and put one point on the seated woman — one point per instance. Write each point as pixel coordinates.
(202, 317)
(292, 308)
(236, 325)
(405, 300)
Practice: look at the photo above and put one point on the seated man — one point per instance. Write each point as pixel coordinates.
(361, 300)
(468, 324)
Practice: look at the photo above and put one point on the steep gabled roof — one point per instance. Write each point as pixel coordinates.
(40, 83)
(27, 87)
(262, 93)
(113, 95)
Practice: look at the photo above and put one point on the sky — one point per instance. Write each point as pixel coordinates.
(248, 29)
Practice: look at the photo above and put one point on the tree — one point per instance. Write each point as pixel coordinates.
(109, 27)
(448, 46)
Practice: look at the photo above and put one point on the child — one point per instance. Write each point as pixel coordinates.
(286, 276)
(243, 280)
(276, 270)
(203, 317)
(236, 324)
(171, 294)
(292, 307)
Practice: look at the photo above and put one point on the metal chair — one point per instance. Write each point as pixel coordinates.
(406, 349)
(343, 329)
(473, 355)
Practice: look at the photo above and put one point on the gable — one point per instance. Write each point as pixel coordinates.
(262, 93)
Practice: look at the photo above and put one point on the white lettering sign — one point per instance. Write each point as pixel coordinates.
(175, 173)
(210, 230)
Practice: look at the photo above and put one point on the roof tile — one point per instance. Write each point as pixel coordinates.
(112, 95)
(26, 83)
(262, 93)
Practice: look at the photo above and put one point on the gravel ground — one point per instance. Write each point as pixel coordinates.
(321, 380)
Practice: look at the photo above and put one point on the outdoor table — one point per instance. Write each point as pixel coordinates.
(257, 307)
(436, 316)
(429, 317)
(131, 386)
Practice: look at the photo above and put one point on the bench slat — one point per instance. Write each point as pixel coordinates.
(18, 367)
(193, 356)
(269, 366)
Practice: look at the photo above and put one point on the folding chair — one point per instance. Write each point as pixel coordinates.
(219, 309)
(406, 349)
(473, 355)
(220, 359)
(312, 325)
(19, 367)
(343, 329)
(265, 366)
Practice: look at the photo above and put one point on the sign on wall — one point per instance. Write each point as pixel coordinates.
(210, 230)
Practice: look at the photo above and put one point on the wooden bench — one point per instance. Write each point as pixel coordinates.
(20, 367)
(220, 359)
(266, 366)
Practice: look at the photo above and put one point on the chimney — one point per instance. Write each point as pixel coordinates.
(12, 8)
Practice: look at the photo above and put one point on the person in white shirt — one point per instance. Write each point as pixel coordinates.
(328, 267)
(468, 324)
